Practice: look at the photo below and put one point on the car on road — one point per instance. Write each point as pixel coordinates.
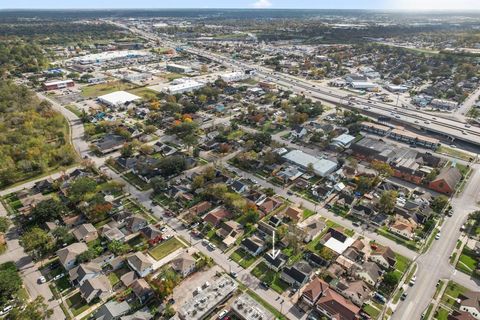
(205, 242)
(6, 310)
(356, 224)
(467, 126)
(222, 314)
(211, 246)
(412, 281)
(437, 236)
(264, 284)
(233, 274)
(42, 279)
(404, 295)
(290, 193)
(453, 146)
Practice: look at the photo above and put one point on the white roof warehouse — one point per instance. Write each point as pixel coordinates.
(117, 98)
(321, 167)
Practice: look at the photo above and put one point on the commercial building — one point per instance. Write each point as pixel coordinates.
(343, 141)
(234, 76)
(443, 104)
(186, 86)
(110, 55)
(178, 68)
(200, 306)
(364, 85)
(58, 84)
(117, 98)
(246, 308)
(395, 88)
(321, 167)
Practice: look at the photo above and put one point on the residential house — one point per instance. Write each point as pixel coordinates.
(404, 227)
(384, 256)
(83, 272)
(85, 232)
(68, 255)
(98, 287)
(140, 263)
(128, 278)
(239, 187)
(312, 227)
(112, 310)
(230, 231)
(446, 181)
(275, 261)
(345, 200)
(142, 290)
(460, 315)
(152, 234)
(269, 205)
(111, 232)
(370, 272)
(312, 292)
(294, 214)
(298, 132)
(136, 223)
(470, 302)
(200, 208)
(215, 216)
(185, 264)
(253, 245)
(296, 275)
(356, 291)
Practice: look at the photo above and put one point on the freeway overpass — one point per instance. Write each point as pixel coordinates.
(442, 125)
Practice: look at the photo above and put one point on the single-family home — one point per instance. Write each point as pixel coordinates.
(294, 214)
(253, 245)
(229, 231)
(185, 264)
(446, 181)
(215, 216)
(296, 275)
(369, 272)
(98, 287)
(384, 256)
(140, 263)
(83, 272)
(298, 132)
(68, 255)
(142, 290)
(136, 223)
(470, 302)
(112, 310)
(85, 232)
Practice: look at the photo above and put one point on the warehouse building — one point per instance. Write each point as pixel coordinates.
(234, 76)
(118, 98)
(321, 167)
(178, 68)
(364, 85)
(185, 86)
(58, 84)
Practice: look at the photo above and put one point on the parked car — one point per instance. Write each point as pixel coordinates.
(6, 310)
(222, 314)
(212, 246)
(42, 279)
(404, 295)
(437, 236)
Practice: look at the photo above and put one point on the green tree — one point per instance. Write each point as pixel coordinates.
(118, 248)
(439, 203)
(80, 188)
(34, 310)
(37, 242)
(47, 210)
(10, 281)
(4, 224)
(388, 201)
(63, 235)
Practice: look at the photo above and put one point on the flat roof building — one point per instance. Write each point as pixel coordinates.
(321, 167)
(117, 98)
(186, 86)
(178, 68)
(58, 84)
(246, 308)
(200, 306)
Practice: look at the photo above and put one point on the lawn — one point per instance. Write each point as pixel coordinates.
(372, 312)
(454, 153)
(113, 278)
(172, 76)
(467, 262)
(262, 272)
(243, 258)
(307, 213)
(165, 248)
(96, 90)
(452, 292)
(387, 234)
(76, 304)
(441, 314)
(402, 263)
(63, 284)
(74, 110)
(143, 92)
(136, 181)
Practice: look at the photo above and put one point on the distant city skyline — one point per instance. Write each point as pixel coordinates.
(261, 4)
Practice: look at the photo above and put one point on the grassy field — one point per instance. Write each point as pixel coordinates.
(402, 263)
(243, 258)
(136, 181)
(467, 262)
(76, 304)
(454, 153)
(74, 110)
(96, 90)
(172, 76)
(113, 278)
(165, 248)
(143, 92)
(372, 312)
(307, 213)
(451, 293)
(262, 272)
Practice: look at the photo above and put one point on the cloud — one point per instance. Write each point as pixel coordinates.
(261, 4)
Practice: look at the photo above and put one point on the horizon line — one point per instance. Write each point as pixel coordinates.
(464, 10)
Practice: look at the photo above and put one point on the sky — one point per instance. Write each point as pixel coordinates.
(260, 4)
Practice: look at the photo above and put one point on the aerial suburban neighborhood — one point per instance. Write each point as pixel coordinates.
(254, 164)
